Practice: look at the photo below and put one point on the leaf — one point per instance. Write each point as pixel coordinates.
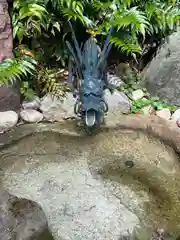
(57, 26)
(13, 69)
(158, 105)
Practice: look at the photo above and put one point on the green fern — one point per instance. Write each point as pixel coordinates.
(138, 18)
(28, 18)
(127, 47)
(43, 18)
(51, 81)
(15, 69)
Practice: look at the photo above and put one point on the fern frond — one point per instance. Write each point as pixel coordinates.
(126, 46)
(17, 68)
(50, 81)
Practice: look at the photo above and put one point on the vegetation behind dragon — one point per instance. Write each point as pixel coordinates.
(41, 26)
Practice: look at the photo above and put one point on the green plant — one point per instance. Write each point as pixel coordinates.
(154, 102)
(28, 19)
(137, 20)
(134, 20)
(41, 24)
(15, 69)
(130, 77)
(18, 69)
(51, 80)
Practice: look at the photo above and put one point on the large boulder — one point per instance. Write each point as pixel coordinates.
(162, 74)
(21, 219)
(8, 120)
(122, 183)
(9, 97)
(6, 40)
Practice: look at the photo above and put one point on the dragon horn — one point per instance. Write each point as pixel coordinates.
(74, 56)
(76, 44)
(70, 75)
(106, 48)
(107, 40)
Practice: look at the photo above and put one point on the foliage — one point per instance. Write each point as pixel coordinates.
(133, 20)
(130, 79)
(13, 69)
(51, 80)
(41, 25)
(154, 102)
(18, 69)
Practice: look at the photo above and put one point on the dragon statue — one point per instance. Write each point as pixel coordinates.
(88, 76)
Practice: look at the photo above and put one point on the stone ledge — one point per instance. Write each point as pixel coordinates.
(164, 130)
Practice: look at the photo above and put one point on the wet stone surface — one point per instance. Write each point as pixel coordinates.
(116, 184)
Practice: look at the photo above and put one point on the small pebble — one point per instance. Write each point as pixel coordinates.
(178, 122)
(129, 164)
(176, 115)
(137, 94)
(164, 113)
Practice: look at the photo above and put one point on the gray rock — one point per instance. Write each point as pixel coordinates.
(68, 105)
(76, 205)
(55, 109)
(148, 110)
(9, 99)
(137, 94)
(118, 102)
(49, 102)
(176, 115)
(163, 72)
(33, 104)
(31, 116)
(21, 219)
(9, 96)
(8, 120)
(84, 184)
(114, 79)
(164, 113)
(178, 122)
(6, 40)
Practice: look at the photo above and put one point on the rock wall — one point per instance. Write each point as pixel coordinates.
(9, 96)
(6, 42)
(163, 72)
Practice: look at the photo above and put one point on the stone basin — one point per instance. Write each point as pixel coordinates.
(122, 182)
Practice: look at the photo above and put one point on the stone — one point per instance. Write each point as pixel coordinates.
(164, 113)
(8, 120)
(55, 109)
(176, 115)
(21, 218)
(162, 74)
(9, 99)
(9, 95)
(49, 102)
(68, 105)
(6, 39)
(178, 122)
(148, 110)
(118, 102)
(124, 71)
(33, 104)
(137, 94)
(115, 80)
(84, 185)
(31, 116)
